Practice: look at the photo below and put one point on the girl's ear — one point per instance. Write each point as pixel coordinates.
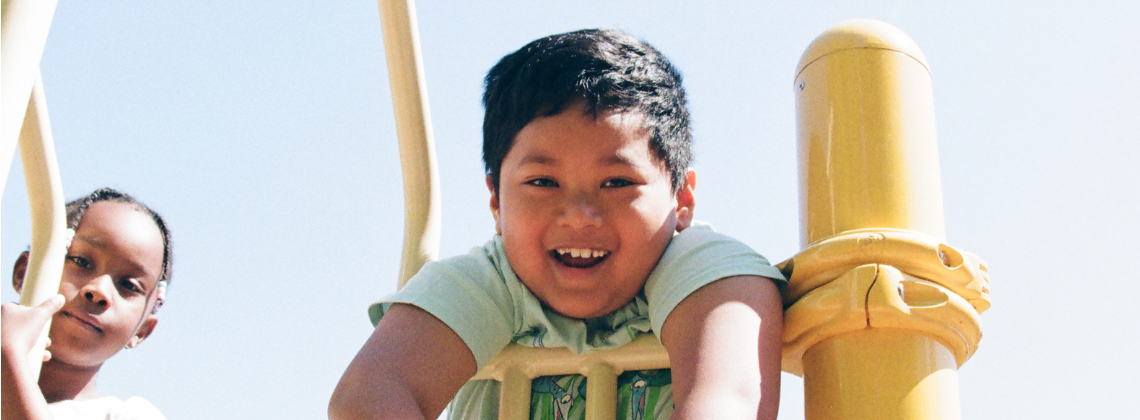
(145, 328)
(686, 200)
(19, 270)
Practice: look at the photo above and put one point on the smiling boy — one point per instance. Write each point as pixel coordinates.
(587, 149)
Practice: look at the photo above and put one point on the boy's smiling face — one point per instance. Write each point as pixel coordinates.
(586, 209)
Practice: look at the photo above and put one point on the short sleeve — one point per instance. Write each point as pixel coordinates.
(467, 294)
(108, 408)
(137, 408)
(695, 257)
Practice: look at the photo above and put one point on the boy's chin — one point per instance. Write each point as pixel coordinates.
(583, 308)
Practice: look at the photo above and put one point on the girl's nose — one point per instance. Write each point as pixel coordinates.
(581, 211)
(99, 291)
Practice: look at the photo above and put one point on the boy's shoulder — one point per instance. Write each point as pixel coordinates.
(697, 256)
(701, 245)
(482, 276)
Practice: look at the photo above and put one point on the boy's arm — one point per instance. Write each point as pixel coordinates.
(410, 368)
(724, 345)
(20, 396)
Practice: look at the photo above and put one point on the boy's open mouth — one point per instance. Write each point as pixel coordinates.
(579, 257)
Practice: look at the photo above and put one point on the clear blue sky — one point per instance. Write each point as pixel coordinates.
(265, 136)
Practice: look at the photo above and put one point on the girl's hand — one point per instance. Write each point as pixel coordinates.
(20, 326)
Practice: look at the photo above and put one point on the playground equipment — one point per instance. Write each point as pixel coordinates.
(25, 28)
(880, 312)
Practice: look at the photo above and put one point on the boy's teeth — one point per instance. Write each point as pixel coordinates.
(582, 253)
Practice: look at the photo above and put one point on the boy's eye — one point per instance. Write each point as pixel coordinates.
(616, 183)
(79, 261)
(542, 182)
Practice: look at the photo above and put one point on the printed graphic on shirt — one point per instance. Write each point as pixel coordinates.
(531, 337)
(642, 395)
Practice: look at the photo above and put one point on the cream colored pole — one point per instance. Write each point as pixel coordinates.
(49, 219)
(24, 29)
(413, 129)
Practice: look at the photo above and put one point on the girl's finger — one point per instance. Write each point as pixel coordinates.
(54, 303)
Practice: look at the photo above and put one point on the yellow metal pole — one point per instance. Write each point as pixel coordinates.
(413, 130)
(24, 29)
(881, 312)
(601, 395)
(514, 396)
(49, 218)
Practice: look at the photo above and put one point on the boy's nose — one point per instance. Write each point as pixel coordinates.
(99, 291)
(580, 211)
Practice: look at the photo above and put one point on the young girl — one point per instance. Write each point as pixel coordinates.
(114, 281)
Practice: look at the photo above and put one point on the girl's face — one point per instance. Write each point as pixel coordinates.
(109, 280)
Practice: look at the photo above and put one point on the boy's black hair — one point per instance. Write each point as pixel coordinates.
(76, 209)
(604, 69)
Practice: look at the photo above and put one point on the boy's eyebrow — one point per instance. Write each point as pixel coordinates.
(537, 159)
(540, 159)
(99, 243)
(618, 159)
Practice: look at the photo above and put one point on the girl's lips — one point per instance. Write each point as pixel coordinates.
(88, 321)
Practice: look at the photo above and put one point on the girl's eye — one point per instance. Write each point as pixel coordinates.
(616, 183)
(79, 261)
(542, 182)
(130, 286)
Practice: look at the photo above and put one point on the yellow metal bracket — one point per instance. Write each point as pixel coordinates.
(830, 310)
(911, 252)
(881, 296)
(883, 278)
(900, 301)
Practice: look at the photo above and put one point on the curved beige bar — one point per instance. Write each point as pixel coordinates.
(24, 30)
(49, 218)
(413, 129)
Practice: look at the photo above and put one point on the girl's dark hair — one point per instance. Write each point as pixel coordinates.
(606, 70)
(76, 208)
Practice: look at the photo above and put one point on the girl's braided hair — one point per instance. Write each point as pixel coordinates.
(76, 208)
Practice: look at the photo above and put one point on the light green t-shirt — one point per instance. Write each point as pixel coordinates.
(479, 297)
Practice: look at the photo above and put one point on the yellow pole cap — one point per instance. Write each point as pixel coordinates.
(860, 33)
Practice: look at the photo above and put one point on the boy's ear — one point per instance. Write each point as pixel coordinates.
(145, 328)
(686, 200)
(494, 205)
(19, 270)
